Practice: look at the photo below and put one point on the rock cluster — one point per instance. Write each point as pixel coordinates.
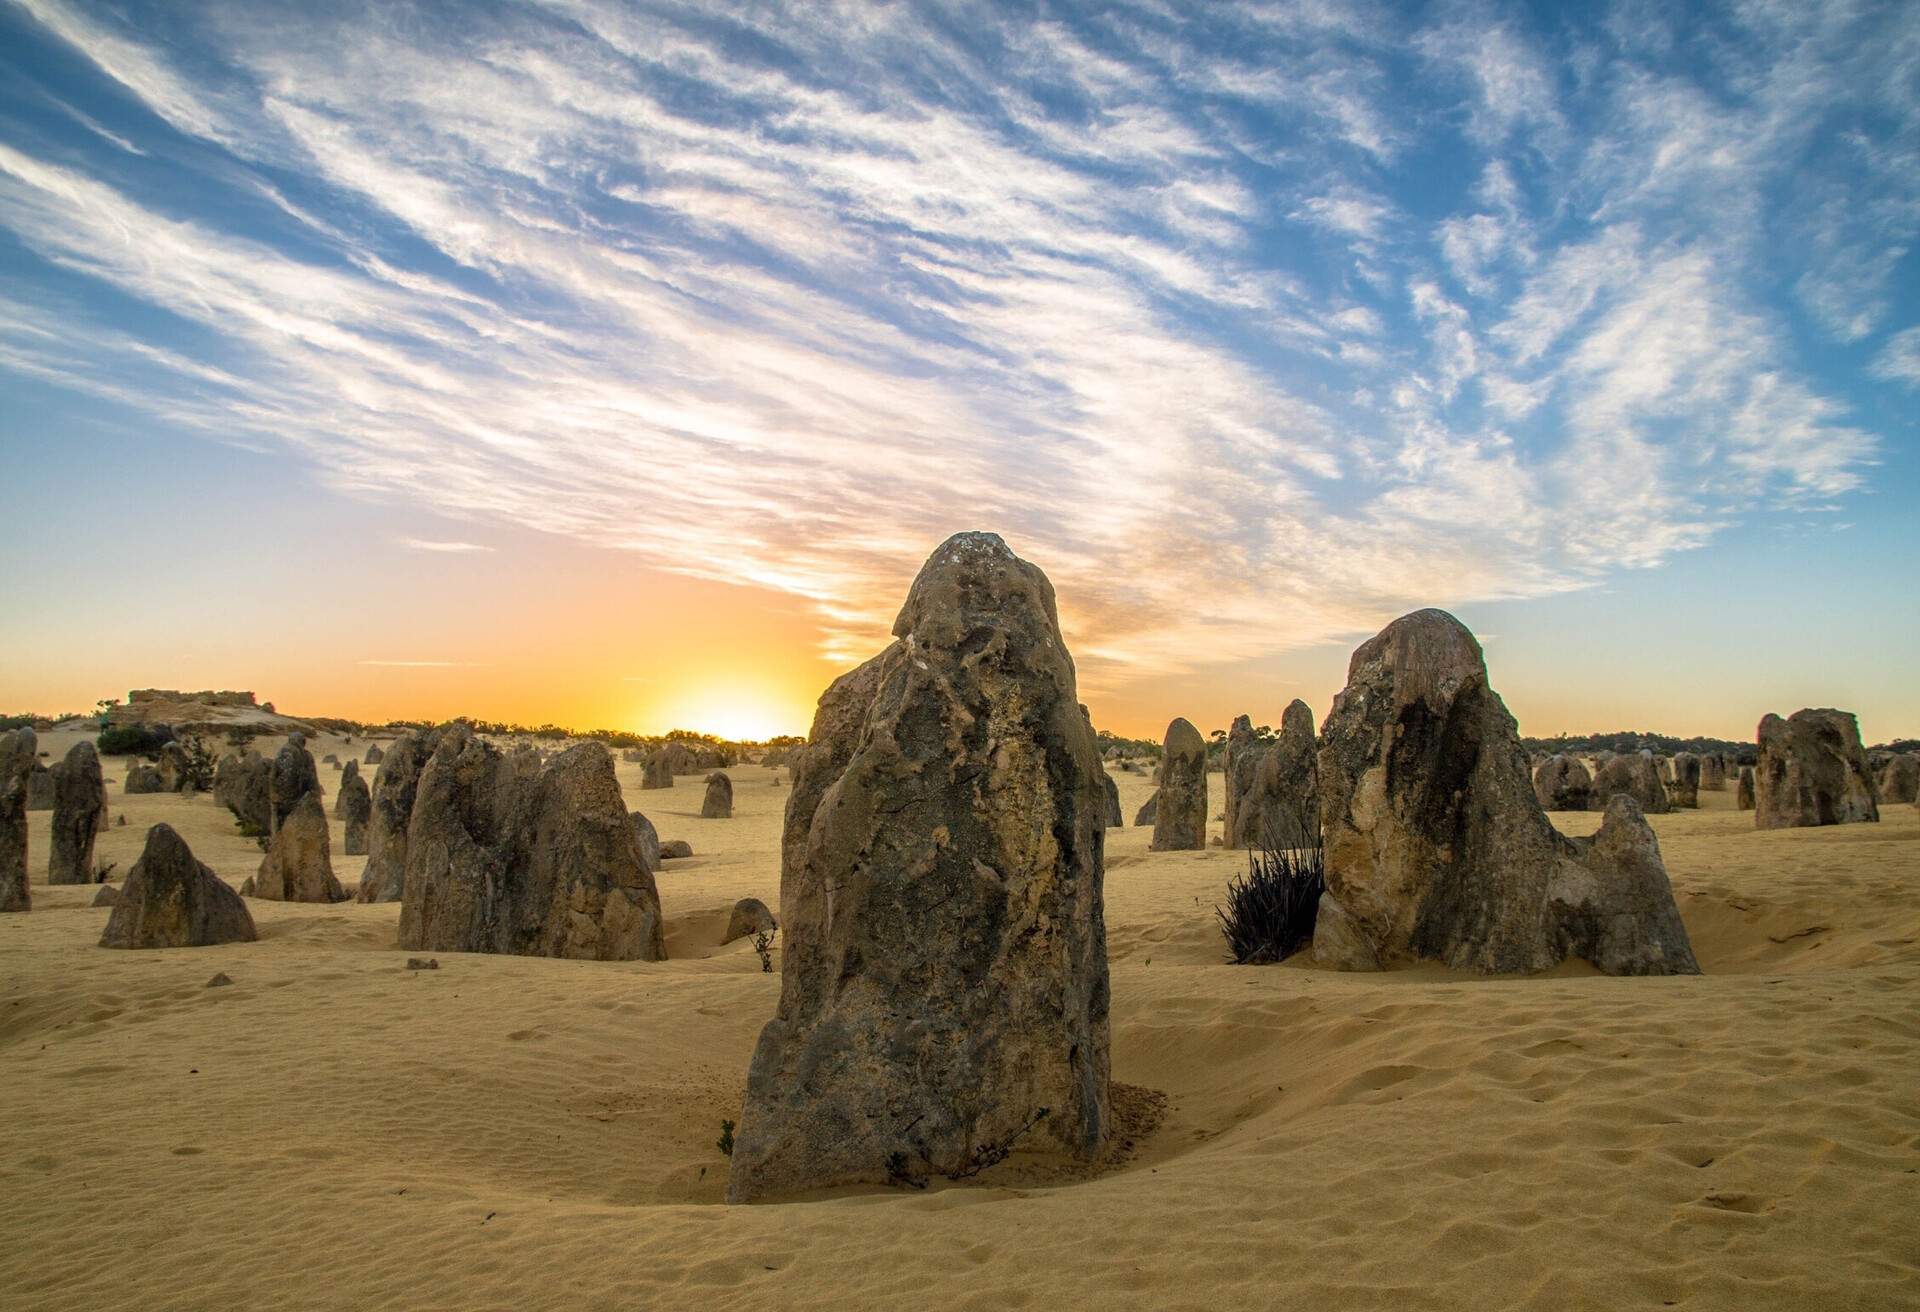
(507, 855)
(718, 803)
(18, 751)
(79, 813)
(1180, 807)
(945, 975)
(171, 900)
(1812, 771)
(1561, 783)
(1436, 846)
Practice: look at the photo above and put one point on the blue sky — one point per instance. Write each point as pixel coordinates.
(1256, 324)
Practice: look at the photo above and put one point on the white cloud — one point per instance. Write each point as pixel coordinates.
(422, 544)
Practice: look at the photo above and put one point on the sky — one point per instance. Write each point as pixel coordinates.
(617, 364)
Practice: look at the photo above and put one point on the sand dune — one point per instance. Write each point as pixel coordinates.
(335, 1130)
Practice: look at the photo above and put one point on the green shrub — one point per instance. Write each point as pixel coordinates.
(133, 739)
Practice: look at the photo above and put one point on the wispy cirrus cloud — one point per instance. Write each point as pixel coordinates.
(1174, 300)
(458, 548)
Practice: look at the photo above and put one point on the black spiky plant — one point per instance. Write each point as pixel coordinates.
(1270, 910)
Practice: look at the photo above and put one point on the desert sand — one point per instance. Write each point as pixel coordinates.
(335, 1130)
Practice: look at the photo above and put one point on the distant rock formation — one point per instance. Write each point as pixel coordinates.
(1900, 779)
(750, 916)
(384, 878)
(19, 749)
(142, 778)
(1280, 802)
(1149, 809)
(374, 755)
(506, 855)
(355, 808)
(1115, 817)
(348, 774)
(1812, 771)
(718, 803)
(293, 776)
(956, 994)
(1180, 807)
(1713, 773)
(1562, 783)
(1685, 794)
(243, 783)
(675, 849)
(649, 842)
(1743, 799)
(175, 773)
(299, 862)
(171, 900)
(658, 771)
(1630, 774)
(1436, 846)
(79, 810)
(40, 788)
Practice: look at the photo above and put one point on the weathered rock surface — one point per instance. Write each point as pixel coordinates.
(293, 776)
(1743, 799)
(384, 878)
(1561, 783)
(1436, 846)
(1812, 771)
(374, 755)
(1685, 793)
(507, 855)
(649, 838)
(171, 900)
(718, 803)
(1148, 810)
(1631, 774)
(356, 811)
(1180, 808)
(1115, 817)
(750, 916)
(79, 812)
(675, 849)
(944, 976)
(142, 779)
(19, 749)
(1242, 757)
(108, 896)
(1900, 779)
(299, 862)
